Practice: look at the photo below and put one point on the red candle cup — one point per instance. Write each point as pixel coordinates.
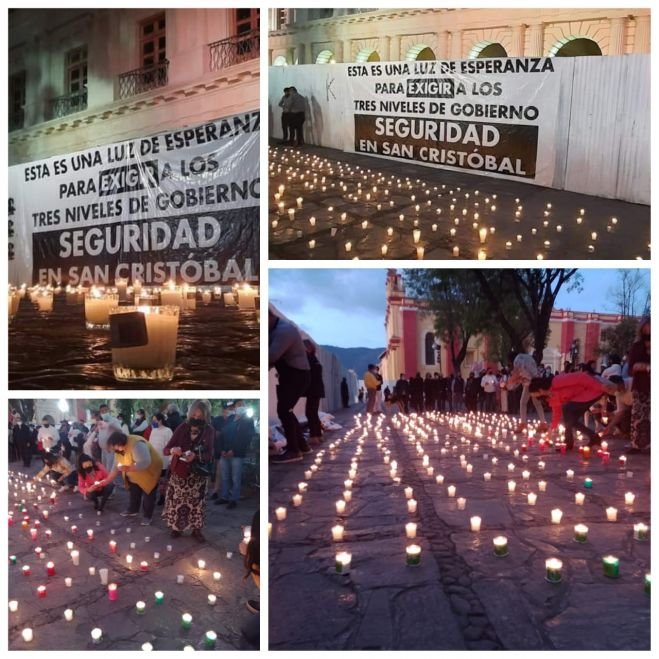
(113, 546)
(112, 592)
(563, 449)
(41, 592)
(606, 457)
(38, 550)
(144, 566)
(26, 570)
(11, 521)
(33, 534)
(50, 569)
(74, 529)
(45, 514)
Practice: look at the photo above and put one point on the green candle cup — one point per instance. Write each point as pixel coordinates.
(611, 567)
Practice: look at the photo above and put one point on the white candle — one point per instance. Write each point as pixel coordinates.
(201, 564)
(569, 474)
(347, 495)
(217, 576)
(337, 533)
(410, 530)
(511, 486)
(611, 514)
(68, 615)
(462, 503)
(542, 486)
(297, 500)
(451, 490)
(579, 498)
(532, 498)
(75, 557)
(340, 506)
(629, 498)
(155, 360)
(27, 635)
(247, 297)
(475, 524)
(411, 506)
(96, 634)
(487, 476)
(97, 308)
(212, 599)
(556, 516)
(13, 606)
(408, 492)
(68, 581)
(280, 513)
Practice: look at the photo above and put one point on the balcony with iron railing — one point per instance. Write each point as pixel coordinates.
(143, 80)
(61, 106)
(234, 50)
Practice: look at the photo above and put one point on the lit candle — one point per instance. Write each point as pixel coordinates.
(50, 569)
(209, 639)
(297, 500)
(159, 597)
(532, 498)
(611, 567)
(511, 486)
(217, 576)
(27, 635)
(144, 566)
(500, 546)
(186, 621)
(579, 498)
(201, 564)
(411, 506)
(475, 523)
(68, 582)
(413, 555)
(97, 308)
(97, 635)
(611, 514)
(646, 582)
(41, 592)
(487, 476)
(129, 560)
(302, 487)
(33, 534)
(342, 562)
(75, 557)
(112, 592)
(556, 516)
(140, 607)
(581, 533)
(629, 498)
(641, 532)
(337, 533)
(408, 492)
(113, 546)
(90, 534)
(542, 486)
(212, 599)
(280, 513)
(569, 474)
(553, 567)
(147, 647)
(340, 507)
(13, 606)
(26, 570)
(588, 483)
(456, 251)
(451, 490)
(347, 495)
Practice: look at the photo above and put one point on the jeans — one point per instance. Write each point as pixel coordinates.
(99, 497)
(490, 401)
(293, 383)
(523, 403)
(107, 458)
(297, 128)
(572, 418)
(137, 496)
(311, 410)
(231, 469)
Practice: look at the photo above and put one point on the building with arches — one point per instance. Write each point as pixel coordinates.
(412, 345)
(300, 36)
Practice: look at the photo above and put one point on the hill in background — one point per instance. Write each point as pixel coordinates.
(356, 359)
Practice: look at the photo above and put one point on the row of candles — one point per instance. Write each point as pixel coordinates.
(500, 543)
(16, 480)
(371, 190)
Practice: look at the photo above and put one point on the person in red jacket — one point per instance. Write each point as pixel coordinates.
(570, 396)
(90, 473)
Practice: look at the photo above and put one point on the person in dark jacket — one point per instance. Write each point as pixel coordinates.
(315, 392)
(218, 423)
(345, 393)
(416, 393)
(401, 391)
(174, 419)
(23, 439)
(429, 393)
(237, 434)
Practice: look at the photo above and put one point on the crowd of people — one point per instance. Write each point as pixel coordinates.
(162, 459)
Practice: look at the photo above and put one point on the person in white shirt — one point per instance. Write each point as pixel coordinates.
(47, 435)
(524, 370)
(489, 384)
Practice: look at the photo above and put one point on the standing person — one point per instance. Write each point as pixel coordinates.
(90, 474)
(401, 391)
(524, 370)
(106, 426)
(429, 393)
(285, 105)
(570, 396)
(416, 393)
(47, 435)
(458, 393)
(379, 408)
(219, 423)
(174, 419)
(191, 447)
(345, 393)
(440, 392)
(489, 385)
(371, 383)
(236, 439)
(140, 465)
(314, 393)
(639, 368)
(287, 354)
(23, 439)
(503, 387)
(297, 109)
(159, 438)
(141, 423)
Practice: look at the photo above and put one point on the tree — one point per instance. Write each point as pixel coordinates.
(452, 299)
(534, 292)
(631, 293)
(618, 340)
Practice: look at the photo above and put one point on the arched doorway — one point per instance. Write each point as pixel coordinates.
(420, 52)
(280, 60)
(575, 47)
(325, 57)
(367, 55)
(487, 49)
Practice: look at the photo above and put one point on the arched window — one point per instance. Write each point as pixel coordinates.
(325, 57)
(430, 349)
(280, 60)
(367, 55)
(420, 52)
(485, 49)
(575, 47)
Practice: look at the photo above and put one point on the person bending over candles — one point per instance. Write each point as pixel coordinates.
(60, 469)
(90, 475)
(570, 396)
(250, 629)
(524, 370)
(638, 360)
(140, 466)
(191, 448)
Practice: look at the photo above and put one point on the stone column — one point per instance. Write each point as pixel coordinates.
(618, 28)
(642, 35)
(456, 44)
(298, 54)
(385, 48)
(442, 45)
(394, 48)
(347, 51)
(536, 40)
(517, 48)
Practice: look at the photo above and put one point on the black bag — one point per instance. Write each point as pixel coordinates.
(199, 467)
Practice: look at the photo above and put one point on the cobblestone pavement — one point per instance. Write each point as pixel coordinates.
(462, 596)
(448, 208)
(123, 628)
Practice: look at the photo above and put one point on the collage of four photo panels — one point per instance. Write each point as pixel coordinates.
(457, 435)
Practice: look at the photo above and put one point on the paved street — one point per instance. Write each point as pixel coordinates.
(520, 221)
(123, 628)
(462, 596)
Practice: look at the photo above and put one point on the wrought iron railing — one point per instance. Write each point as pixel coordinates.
(65, 105)
(233, 50)
(143, 80)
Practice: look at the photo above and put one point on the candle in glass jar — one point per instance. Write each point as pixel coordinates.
(147, 647)
(553, 569)
(611, 567)
(411, 506)
(297, 500)
(68, 582)
(75, 557)
(27, 635)
(186, 621)
(212, 599)
(641, 531)
(247, 297)
(302, 487)
(144, 566)
(451, 489)
(201, 564)
(342, 562)
(340, 507)
(159, 597)
(556, 516)
(90, 534)
(156, 359)
(410, 530)
(217, 576)
(531, 498)
(542, 486)
(475, 523)
(588, 483)
(112, 592)
(280, 513)
(511, 486)
(347, 496)
(629, 498)
(500, 545)
(408, 492)
(113, 546)
(611, 514)
(413, 555)
(97, 635)
(569, 474)
(97, 308)
(209, 639)
(579, 498)
(140, 607)
(337, 533)
(462, 503)
(581, 533)
(41, 592)
(50, 569)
